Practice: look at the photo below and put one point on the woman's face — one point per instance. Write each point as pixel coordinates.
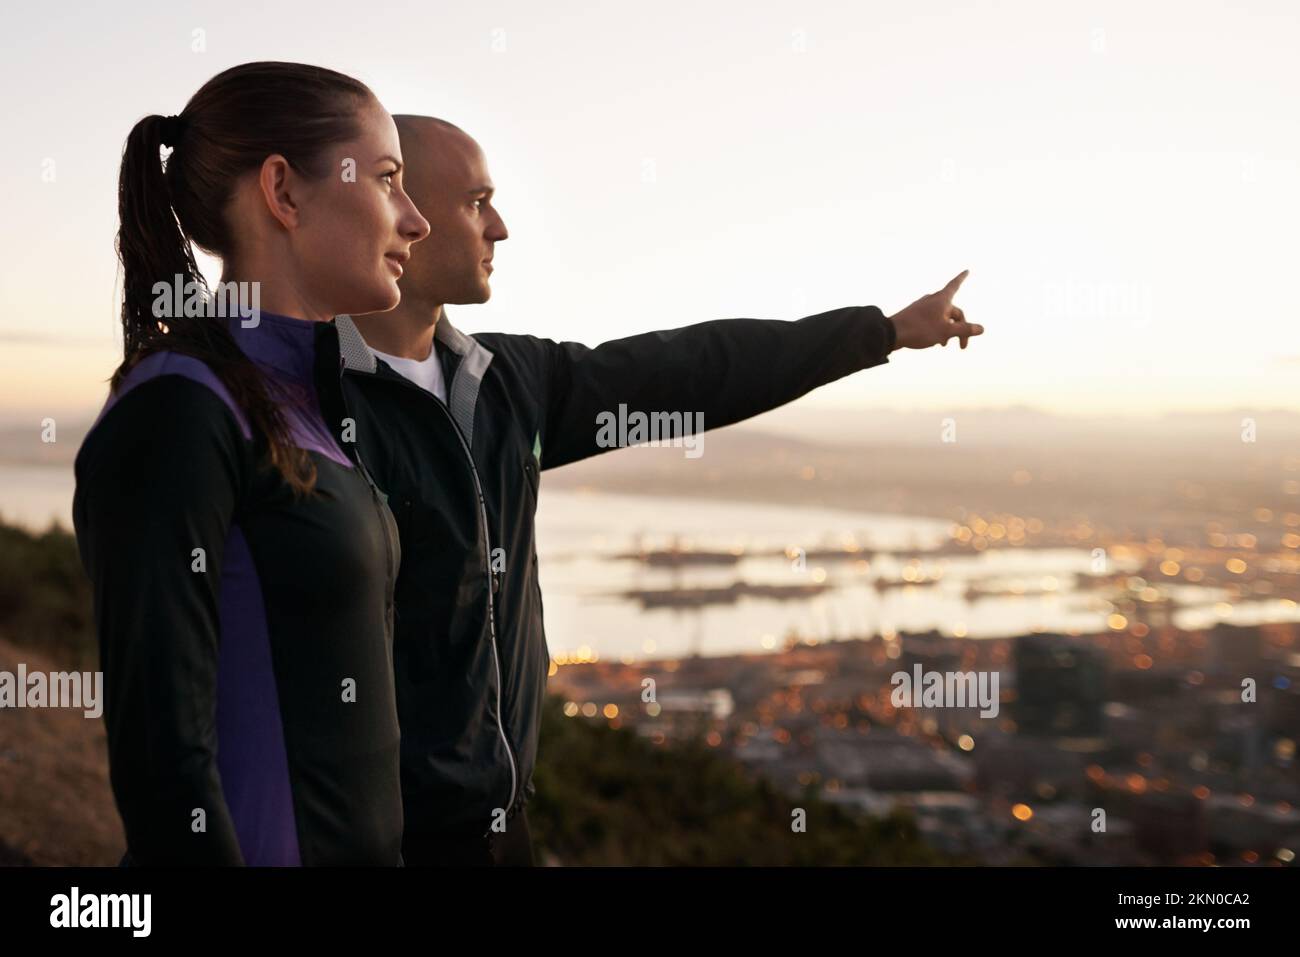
(355, 226)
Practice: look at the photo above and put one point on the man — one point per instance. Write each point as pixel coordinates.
(456, 430)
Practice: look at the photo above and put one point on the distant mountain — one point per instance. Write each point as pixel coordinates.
(1012, 426)
(24, 445)
(1017, 425)
(1163, 478)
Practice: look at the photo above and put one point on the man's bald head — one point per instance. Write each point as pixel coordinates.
(414, 121)
(445, 173)
(432, 149)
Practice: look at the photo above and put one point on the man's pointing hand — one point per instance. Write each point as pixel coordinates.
(933, 319)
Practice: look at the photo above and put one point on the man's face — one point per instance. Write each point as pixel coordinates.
(446, 175)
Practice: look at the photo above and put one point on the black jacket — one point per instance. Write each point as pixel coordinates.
(249, 697)
(470, 652)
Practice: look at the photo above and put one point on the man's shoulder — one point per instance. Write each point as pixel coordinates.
(508, 340)
(515, 353)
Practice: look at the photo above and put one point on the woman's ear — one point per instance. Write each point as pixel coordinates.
(279, 184)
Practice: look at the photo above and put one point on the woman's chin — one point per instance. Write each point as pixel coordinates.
(393, 295)
(382, 299)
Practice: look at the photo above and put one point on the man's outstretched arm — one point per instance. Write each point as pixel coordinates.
(729, 369)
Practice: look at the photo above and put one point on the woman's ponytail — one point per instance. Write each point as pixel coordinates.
(150, 243)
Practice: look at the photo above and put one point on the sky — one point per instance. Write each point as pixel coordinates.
(1122, 180)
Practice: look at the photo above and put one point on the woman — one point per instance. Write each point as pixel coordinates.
(242, 560)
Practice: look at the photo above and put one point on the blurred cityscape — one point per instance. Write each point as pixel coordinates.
(1144, 743)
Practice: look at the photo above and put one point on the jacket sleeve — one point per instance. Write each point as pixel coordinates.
(726, 370)
(157, 478)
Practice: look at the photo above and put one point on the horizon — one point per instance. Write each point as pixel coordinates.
(782, 418)
(16, 419)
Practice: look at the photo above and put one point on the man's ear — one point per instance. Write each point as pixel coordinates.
(278, 180)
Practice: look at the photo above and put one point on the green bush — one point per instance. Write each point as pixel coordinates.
(606, 796)
(45, 597)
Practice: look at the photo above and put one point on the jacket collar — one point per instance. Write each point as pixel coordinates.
(283, 344)
(462, 395)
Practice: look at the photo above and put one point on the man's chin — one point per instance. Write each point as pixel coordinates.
(475, 297)
(468, 294)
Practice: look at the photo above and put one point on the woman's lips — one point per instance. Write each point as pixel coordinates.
(395, 263)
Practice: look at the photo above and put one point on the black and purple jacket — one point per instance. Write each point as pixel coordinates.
(246, 638)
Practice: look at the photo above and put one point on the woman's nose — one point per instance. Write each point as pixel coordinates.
(417, 227)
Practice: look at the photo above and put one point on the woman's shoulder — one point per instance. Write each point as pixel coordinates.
(181, 380)
(157, 368)
(171, 400)
(168, 453)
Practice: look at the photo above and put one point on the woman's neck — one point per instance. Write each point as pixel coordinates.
(278, 294)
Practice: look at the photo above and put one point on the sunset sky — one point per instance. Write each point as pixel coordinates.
(1122, 180)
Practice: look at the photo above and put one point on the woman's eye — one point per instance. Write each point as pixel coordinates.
(388, 177)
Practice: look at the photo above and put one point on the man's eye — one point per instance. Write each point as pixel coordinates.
(478, 203)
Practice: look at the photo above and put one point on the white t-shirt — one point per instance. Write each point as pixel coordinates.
(426, 373)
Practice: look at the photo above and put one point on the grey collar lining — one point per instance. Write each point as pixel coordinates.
(462, 397)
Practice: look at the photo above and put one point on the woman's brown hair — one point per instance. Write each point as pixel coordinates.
(228, 128)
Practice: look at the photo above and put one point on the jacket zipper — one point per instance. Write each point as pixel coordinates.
(490, 577)
(385, 517)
